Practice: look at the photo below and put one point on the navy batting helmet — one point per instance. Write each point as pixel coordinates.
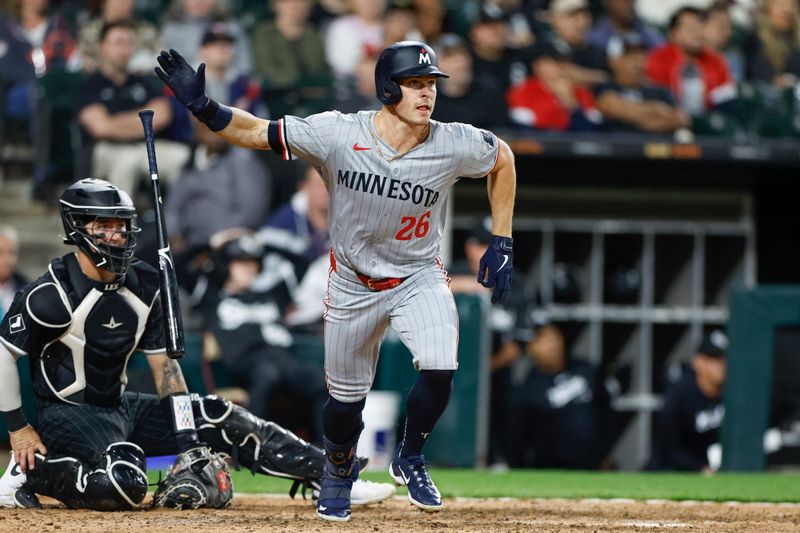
(403, 60)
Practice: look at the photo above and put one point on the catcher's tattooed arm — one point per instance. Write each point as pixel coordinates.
(167, 375)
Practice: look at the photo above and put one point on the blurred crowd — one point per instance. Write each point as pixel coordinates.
(250, 235)
(709, 67)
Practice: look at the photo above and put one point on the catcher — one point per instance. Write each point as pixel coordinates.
(80, 322)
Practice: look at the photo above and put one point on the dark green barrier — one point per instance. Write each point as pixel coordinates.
(460, 436)
(754, 315)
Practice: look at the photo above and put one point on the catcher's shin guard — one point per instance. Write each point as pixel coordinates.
(116, 482)
(256, 444)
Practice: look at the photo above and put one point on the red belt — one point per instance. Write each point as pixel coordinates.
(374, 284)
(380, 284)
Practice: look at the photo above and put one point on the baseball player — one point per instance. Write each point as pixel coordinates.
(389, 174)
(80, 323)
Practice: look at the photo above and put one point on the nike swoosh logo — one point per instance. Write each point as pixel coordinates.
(322, 508)
(403, 475)
(505, 260)
(358, 148)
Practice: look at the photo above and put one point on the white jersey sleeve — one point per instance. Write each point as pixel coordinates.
(478, 150)
(310, 138)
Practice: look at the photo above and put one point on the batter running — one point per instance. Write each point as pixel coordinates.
(389, 174)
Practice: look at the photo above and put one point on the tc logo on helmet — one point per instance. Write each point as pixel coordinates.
(424, 57)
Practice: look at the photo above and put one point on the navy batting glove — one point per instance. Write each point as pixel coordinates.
(189, 86)
(496, 266)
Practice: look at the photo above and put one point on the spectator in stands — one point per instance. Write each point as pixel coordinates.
(224, 83)
(353, 37)
(496, 66)
(550, 99)
(570, 20)
(361, 95)
(559, 408)
(33, 41)
(718, 37)
(289, 56)
(301, 225)
(697, 76)
(147, 43)
(520, 28)
(693, 412)
(399, 24)
(621, 19)
(776, 57)
(222, 187)
(186, 23)
(433, 20)
(110, 100)
(10, 280)
(458, 99)
(509, 334)
(244, 312)
(628, 103)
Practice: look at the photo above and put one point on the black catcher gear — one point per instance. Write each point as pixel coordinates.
(116, 482)
(256, 444)
(199, 478)
(87, 200)
(405, 59)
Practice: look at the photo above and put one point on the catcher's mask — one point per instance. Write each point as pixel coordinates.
(405, 59)
(92, 200)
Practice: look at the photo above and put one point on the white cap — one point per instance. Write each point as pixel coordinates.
(560, 7)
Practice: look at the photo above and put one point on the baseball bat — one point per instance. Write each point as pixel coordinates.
(170, 305)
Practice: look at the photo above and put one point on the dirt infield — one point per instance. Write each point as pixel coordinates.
(252, 513)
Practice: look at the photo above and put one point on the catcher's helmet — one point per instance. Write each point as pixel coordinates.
(87, 200)
(403, 60)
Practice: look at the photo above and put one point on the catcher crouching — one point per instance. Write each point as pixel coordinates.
(80, 322)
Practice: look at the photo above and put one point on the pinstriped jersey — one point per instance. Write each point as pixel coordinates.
(386, 217)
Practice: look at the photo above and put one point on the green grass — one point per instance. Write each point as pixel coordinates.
(567, 484)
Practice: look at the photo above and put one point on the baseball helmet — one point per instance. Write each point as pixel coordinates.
(87, 200)
(403, 60)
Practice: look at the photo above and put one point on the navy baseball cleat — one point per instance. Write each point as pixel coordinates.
(334, 495)
(413, 473)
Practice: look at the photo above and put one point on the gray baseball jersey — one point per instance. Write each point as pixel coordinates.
(386, 221)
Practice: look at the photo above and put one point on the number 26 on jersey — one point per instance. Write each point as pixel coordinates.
(414, 227)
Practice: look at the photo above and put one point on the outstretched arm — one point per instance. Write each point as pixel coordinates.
(234, 125)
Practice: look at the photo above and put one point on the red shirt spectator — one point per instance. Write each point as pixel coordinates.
(665, 68)
(531, 103)
(550, 99)
(667, 65)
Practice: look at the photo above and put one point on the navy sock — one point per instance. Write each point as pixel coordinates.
(425, 404)
(342, 421)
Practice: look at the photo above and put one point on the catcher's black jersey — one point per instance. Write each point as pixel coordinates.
(80, 333)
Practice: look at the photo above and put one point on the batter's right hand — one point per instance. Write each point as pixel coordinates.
(25, 443)
(189, 86)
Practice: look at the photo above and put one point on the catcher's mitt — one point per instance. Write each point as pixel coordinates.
(199, 478)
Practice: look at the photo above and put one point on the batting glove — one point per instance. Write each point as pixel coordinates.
(496, 265)
(189, 86)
